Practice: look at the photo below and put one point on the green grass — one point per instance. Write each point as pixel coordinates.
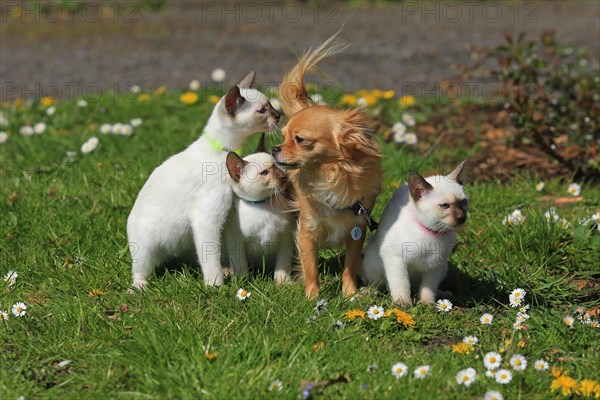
(55, 209)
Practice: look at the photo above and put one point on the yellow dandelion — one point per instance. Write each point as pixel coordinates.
(349, 99)
(19, 102)
(368, 99)
(161, 90)
(143, 97)
(462, 348)
(352, 314)
(388, 94)
(404, 318)
(588, 388)
(565, 384)
(394, 185)
(47, 101)
(318, 345)
(211, 356)
(189, 98)
(214, 99)
(96, 292)
(377, 93)
(557, 372)
(406, 101)
(362, 92)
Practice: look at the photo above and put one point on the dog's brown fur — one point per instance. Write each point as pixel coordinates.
(333, 161)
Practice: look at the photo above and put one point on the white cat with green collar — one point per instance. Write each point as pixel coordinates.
(416, 236)
(183, 205)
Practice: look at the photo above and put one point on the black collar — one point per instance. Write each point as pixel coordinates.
(359, 209)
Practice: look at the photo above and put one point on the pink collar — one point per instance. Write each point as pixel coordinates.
(425, 229)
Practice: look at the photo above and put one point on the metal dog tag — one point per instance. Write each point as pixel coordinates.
(356, 232)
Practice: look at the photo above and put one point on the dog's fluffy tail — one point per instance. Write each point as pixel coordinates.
(292, 94)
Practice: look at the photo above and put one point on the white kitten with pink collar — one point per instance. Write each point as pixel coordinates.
(416, 236)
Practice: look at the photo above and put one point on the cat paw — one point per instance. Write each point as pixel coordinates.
(282, 277)
(403, 302)
(137, 287)
(426, 301)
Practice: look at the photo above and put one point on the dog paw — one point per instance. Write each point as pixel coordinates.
(312, 292)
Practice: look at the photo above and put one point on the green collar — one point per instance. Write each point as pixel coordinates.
(218, 145)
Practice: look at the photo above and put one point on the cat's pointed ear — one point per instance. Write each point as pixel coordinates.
(248, 81)
(235, 166)
(456, 175)
(233, 100)
(417, 185)
(261, 144)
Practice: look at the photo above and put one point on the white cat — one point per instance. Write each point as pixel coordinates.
(416, 236)
(185, 201)
(260, 221)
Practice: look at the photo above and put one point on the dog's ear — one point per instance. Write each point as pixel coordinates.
(248, 81)
(234, 100)
(457, 174)
(235, 166)
(357, 131)
(418, 186)
(261, 145)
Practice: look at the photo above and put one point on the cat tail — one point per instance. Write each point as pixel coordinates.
(292, 93)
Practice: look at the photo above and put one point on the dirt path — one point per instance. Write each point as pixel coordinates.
(399, 46)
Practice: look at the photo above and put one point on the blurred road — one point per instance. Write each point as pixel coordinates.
(394, 45)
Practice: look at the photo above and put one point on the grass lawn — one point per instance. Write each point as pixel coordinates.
(63, 232)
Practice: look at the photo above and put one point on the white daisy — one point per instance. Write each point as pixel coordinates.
(523, 308)
(580, 310)
(3, 120)
(503, 376)
(89, 146)
(10, 278)
(136, 122)
(399, 137)
(584, 319)
(518, 326)
(51, 110)
(408, 119)
(596, 217)
(443, 305)
(82, 103)
(276, 384)
(486, 319)
(490, 373)
(126, 130)
(574, 189)
(410, 138)
(63, 364)
(105, 128)
(276, 104)
(339, 324)
(399, 127)
(564, 223)
(518, 362)
(135, 89)
(551, 215)
(317, 98)
(492, 360)
(194, 85)
(19, 309)
(362, 102)
(470, 340)
(522, 317)
(242, 294)
(399, 370)
(3, 137)
(422, 371)
(466, 377)
(516, 297)
(218, 75)
(568, 320)
(3, 315)
(117, 129)
(492, 395)
(539, 186)
(594, 324)
(518, 214)
(26, 130)
(71, 154)
(39, 128)
(541, 365)
(375, 312)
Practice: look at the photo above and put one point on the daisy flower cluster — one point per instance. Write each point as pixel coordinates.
(583, 317)
(400, 369)
(593, 220)
(120, 128)
(90, 145)
(515, 218)
(517, 300)
(19, 308)
(399, 130)
(375, 313)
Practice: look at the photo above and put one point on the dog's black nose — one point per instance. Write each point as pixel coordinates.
(275, 150)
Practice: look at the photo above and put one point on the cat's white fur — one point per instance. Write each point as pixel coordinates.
(183, 205)
(416, 236)
(257, 232)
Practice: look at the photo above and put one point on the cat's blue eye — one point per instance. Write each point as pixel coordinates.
(262, 110)
(445, 206)
(265, 172)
